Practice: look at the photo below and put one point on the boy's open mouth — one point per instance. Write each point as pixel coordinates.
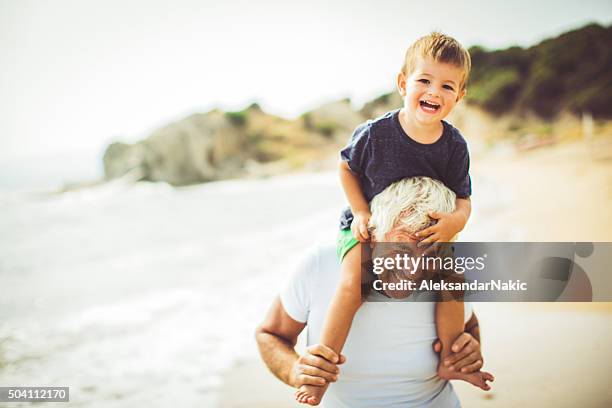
(430, 107)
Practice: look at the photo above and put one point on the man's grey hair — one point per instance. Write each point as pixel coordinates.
(405, 204)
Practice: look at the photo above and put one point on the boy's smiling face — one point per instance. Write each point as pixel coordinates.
(431, 91)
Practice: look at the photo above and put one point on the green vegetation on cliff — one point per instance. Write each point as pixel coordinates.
(570, 72)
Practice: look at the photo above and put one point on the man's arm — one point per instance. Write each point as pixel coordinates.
(472, 327)
(276, 338)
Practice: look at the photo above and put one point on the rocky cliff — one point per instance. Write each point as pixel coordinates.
(218, 145)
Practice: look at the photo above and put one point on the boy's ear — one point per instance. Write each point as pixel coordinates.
(401, 84)
(461, 94)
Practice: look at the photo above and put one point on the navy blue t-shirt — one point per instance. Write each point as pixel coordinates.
(381, 153)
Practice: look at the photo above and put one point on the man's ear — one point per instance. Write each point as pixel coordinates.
(401, 84)
(461, 94)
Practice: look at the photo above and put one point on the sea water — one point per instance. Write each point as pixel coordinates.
(142, 294)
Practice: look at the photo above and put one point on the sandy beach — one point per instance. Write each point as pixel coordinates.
(542, 354)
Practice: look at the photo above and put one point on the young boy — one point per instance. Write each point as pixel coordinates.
(412, 141)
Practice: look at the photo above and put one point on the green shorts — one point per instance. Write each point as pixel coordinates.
(345, 242)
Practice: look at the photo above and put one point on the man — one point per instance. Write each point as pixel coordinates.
(389, 357)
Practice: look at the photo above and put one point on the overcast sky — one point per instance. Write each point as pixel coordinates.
(78, 74)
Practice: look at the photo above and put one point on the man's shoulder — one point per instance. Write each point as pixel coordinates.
(316, 263)
(313, 272)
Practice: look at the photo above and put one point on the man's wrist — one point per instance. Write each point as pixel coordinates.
(474, 331)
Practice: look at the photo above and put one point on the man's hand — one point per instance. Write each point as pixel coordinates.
(359, 226)
(466, 355)
(319, 365)
(448, 225)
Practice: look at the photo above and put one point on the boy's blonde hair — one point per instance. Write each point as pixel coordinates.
(441, 48)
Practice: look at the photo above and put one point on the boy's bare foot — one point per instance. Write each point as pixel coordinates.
(478, 378)
(310, 394)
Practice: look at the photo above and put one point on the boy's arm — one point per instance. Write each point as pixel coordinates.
(354, 194)
(449, 224)
(352, 188)
(463, 209)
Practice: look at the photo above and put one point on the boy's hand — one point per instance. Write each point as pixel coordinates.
(448, 225)
(359, 226)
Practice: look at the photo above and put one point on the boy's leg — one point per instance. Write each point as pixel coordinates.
(345, 303)
(339, 317)
(449, 325)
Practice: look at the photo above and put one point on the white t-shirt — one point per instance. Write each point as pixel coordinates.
(390, 359)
